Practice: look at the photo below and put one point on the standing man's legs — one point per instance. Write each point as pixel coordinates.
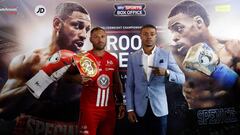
(149, 124)
(159, 125)
(107, 125)
(88, 122)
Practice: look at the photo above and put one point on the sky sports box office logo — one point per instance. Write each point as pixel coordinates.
(129, 10)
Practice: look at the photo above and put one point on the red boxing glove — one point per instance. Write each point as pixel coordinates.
(60, 61)
(53, 70)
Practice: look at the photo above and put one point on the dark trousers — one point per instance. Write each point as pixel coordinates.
(149, 124)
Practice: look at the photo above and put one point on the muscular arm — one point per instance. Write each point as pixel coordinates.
(14, 100)
(233, 47)
(199, 96)
(14, 97)
(10, 89)
(117, 87)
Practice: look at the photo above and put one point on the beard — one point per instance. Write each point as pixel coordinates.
(62, 39)
(64, 42)
(99, 47)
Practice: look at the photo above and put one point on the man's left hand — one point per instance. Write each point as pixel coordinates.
(121, 111)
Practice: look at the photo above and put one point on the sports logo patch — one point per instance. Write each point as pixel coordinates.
(103, 81)
(129, 10)
(54, 58)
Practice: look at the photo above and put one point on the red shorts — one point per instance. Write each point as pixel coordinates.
(97, 121)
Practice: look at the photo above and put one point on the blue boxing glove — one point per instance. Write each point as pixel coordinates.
(225, 76)
(202, 58)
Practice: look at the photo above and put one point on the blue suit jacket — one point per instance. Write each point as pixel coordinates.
(139, 90)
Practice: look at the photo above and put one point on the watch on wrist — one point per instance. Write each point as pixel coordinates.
(167, 73)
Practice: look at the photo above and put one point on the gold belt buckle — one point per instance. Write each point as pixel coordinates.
(87, 64)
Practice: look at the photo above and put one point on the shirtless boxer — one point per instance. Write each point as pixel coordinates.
(59, 101)
(210, 66)
(188, 22)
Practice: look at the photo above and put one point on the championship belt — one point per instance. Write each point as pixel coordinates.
(87, 65)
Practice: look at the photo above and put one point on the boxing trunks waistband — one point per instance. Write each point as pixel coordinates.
(212, 116)
(30, 125)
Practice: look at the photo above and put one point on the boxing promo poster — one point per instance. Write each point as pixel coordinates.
(205, 42)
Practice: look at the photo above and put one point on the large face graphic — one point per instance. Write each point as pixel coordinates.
(74, 31)
(184, 31)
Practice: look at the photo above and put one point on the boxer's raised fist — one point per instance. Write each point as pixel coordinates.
(58, 64)
(202, 58)
(53, 70)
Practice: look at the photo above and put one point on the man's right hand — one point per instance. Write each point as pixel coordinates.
(84, 79)
(132, 117)
(53, 70)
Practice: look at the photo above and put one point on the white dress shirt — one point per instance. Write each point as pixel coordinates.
(147, 60)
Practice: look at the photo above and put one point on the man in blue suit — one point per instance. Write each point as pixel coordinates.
(148, 71)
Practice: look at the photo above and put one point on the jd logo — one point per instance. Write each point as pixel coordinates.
(40, 10)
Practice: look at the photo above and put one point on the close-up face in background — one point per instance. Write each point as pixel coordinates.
(98, 39)
(185, 32)
(148, 36)
(74, 31)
